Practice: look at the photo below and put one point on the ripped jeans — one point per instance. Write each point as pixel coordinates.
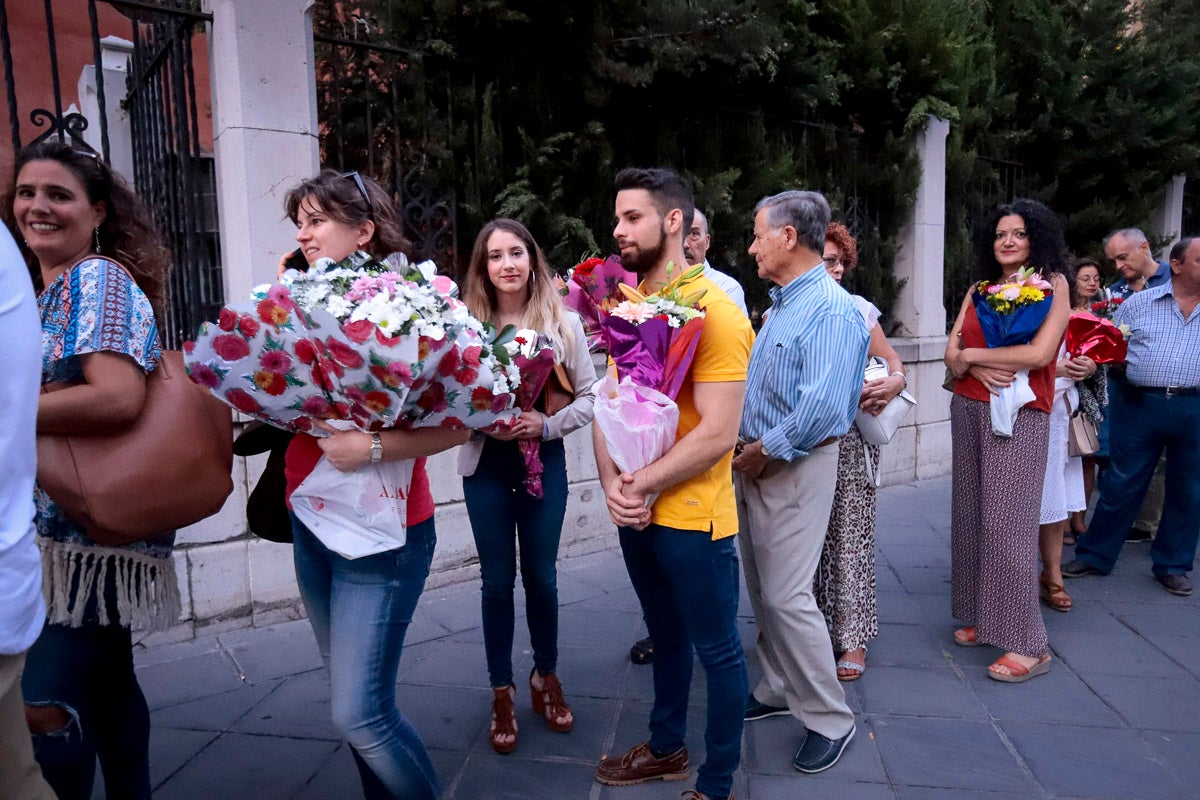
(88, 671)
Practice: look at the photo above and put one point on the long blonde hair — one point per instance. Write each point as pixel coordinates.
(544, 310)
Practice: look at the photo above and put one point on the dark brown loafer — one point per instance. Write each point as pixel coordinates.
(639, 765)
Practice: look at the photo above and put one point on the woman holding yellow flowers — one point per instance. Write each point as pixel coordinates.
(998, 480)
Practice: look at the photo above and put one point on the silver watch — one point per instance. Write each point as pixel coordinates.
(376, 448)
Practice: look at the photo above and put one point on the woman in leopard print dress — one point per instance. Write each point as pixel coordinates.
(845, 581)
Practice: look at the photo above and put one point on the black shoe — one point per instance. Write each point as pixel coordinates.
(756, 710)
(642, 651)
(818, 754)
(1176, 584)
(1079, 569)
(1137, 535)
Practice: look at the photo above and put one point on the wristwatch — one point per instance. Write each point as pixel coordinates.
(903, 376)
(376, 448)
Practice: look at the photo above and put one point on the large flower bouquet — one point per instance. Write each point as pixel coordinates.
(360, 340)
(652, 340)
(593, 287)
(1010, 313)
(533, 355)
(362, 344)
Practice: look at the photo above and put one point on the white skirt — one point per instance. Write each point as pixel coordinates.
(1062, 490)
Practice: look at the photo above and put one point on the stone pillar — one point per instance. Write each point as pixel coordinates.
(264, 129)
(921, 448)
(1167, 222)
(114, 57)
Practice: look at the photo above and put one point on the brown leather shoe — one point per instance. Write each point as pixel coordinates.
(639, 765)
(692, 794)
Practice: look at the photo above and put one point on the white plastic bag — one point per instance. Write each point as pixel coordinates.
(1007, 404)
(357, 513)
(638, 423)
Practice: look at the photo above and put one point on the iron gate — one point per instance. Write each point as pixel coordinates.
(172, 176)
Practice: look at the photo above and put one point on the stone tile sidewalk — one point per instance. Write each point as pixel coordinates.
(246, 714)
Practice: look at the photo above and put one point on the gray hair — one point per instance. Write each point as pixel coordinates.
(1133, 235)
(807, 212)
(699, 214)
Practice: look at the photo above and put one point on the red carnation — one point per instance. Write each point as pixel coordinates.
(449, 363)
(227, 319)
(378, 402)
(481, 398)
(204, 375)
(271, 312)
(467, 375)
(472, 355)
(230, 347)
(189, 347)
(270, 382)
(305, 351)
(248, 325)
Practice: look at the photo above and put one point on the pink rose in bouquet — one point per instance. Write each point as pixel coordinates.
(533, 357)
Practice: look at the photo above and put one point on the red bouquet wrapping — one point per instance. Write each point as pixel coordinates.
(1096, 338)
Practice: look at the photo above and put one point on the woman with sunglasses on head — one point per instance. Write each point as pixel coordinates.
(360, 608)
(998, 481)
(844, 584)
(100, 270)
(509, 283)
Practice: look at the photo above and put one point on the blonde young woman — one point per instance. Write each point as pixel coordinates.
(509, 283)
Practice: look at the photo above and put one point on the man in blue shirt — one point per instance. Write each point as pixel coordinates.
(1156, 407)
(802, 391)
(1129, 251)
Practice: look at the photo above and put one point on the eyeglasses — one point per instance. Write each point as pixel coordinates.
(833, 261)
(359, 183)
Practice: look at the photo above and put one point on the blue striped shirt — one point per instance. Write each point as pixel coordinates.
(806, 368)
(1164, 348)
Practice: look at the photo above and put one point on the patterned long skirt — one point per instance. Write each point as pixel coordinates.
(845, 581)
(997, 489)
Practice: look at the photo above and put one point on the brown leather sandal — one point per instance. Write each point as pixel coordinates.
(548, 702)
(1053, 594)
(503, 721)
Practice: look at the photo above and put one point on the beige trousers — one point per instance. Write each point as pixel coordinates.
(782, 517)
(20, 776)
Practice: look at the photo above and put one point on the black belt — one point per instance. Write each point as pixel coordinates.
(1166, 391)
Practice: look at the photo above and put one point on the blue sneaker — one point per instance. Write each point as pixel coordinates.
(818, 754)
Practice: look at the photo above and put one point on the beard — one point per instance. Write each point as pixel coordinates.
(642, 260)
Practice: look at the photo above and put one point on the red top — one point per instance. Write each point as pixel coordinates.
(1041, 380)
(303, 454)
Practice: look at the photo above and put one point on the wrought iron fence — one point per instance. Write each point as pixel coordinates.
(171, 174)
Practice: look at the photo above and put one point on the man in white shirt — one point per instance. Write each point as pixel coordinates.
(22, 610)
(695, 247)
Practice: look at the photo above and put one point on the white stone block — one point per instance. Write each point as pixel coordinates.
(933, 450)
(220, 578)
(272, 573)
(581, 455)
(182, 569)
(925, 384)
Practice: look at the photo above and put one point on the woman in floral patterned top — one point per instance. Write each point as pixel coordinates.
(100, 271)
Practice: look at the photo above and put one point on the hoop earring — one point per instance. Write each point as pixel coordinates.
(97, 232)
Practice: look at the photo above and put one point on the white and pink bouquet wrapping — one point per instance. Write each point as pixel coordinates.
(533, 356)
(652, 340)
(363, 344)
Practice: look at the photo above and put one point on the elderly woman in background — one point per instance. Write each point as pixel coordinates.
(1093, 392)
(845, 581)
(100, 270)
(998, 481)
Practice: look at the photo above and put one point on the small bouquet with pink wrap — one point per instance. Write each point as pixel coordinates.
(533, 356)
(652, 341)
(593, 287)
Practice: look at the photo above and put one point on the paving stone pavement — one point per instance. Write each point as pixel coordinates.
(246, 714)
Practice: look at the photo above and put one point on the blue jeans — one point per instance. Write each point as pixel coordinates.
(360, 610)
(88, 671)
(502, 513)
(1142, 426)
(688, 587)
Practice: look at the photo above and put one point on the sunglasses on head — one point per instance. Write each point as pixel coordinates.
(358, 181)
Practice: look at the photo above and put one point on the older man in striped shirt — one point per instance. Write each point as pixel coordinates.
(802, 391)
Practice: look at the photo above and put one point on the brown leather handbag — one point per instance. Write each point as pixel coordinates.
(170, 468)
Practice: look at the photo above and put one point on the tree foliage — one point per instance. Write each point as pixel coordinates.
(526, 108)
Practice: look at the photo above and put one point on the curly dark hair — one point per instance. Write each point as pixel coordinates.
(352, 199)
(840, 235)
(128, 233)
(1047, 247)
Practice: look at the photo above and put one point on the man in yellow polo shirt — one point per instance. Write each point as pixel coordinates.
(680, 553)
